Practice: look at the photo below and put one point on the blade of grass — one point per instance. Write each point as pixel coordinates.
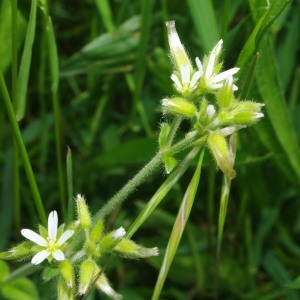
(161, 192)
(54, 71)
(225, 192)
(22, 150)
(269, 85)
(205, 22)
(178, 228)
(70, 208)
(146, 17)
(23, 77)
(261, 27)
(106, 14)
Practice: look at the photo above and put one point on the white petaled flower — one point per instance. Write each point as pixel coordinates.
(50, 244)
(214, 81)
(183, 82)
(185, 78)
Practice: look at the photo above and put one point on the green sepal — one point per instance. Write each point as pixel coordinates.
(170, 162)
(163, 135)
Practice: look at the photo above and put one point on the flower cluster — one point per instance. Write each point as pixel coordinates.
(205, 96)
(76, 252)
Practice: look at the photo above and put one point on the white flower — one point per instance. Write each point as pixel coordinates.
(214, 81)
(185, 78)
(184, 83)
(51, 243)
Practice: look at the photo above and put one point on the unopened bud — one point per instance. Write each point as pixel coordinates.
(103, 285)
(179, 106)
(110, 240)
(67, 272)
(86, 275)
(83, 212)
(63, 292)
(220, 151)
(97, 231)
(178, 53)
(130, 249)
(226, 93)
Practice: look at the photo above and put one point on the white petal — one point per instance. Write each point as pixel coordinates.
(119, 233)
(176, 81)
(199, 65)
(58, 255)
(174, 40)
(52, 225)
(195, 78)
(210, 64)
(34, 237)
(40, 256)
(214, 86)
(225, 74)
(64, 237)
(185, 74)
(210, 111)
(235, 88)
(218, 47)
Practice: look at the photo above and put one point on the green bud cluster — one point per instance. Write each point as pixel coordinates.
(75, 253)
(204, 95)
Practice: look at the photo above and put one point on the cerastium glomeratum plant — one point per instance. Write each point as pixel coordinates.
(204, 95)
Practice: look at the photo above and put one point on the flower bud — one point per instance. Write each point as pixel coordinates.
(97, 231)
(67, 272)
(112, 239)
(179, 106)
(178, 53)
(19, 251)
(130, 249)
(242, 113)
(226, 93)
(103, 285)
(83, 212)
(86, 276)
(63, 293)
(220, 151)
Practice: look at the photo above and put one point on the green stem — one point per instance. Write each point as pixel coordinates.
(173, 129)
(130, 186)
(22, 149)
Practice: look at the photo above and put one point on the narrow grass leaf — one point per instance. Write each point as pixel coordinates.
(105, 13)
(22, 150)
(53, 56)
(162, 192)
(270, 88)
(225, 192)
(23, 77)
(205, 22)
(70, 208)
(178, 228)
(261, 27)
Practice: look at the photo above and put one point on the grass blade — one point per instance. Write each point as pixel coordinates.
(205, 22)
(178, 228)
(23, 76)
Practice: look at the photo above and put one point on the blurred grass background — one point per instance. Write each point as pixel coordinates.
(104, 104)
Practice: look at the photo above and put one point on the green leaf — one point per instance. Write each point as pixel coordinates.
(23, 75)
(269, 85)
(21, 288)
(205, 22)
(178, 228)
(4, 269)
(262, 25)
